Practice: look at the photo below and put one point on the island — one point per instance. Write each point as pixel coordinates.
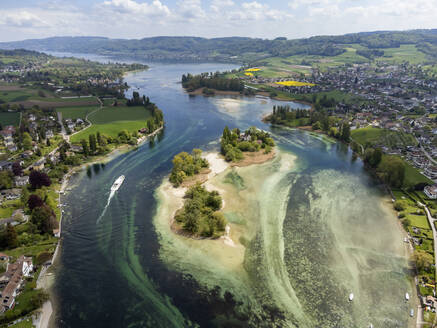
(200, 214)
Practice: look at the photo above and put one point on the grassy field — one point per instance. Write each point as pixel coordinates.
(110, 129)
(48, 245)
(10, 118)
(376, 136)
(26, 323)
(406, 52)
(419, 221)
(120, 113)
(76, 112)
(413, 176)
(111, 120)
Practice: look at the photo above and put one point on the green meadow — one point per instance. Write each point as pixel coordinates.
(9, 118)
(76, 112)
(111, 120)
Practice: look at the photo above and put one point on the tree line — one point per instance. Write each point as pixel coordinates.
(213, 81)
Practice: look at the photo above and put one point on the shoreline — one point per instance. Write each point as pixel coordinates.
(43, 315)
(199, 92)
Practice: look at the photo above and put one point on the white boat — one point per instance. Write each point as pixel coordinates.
(351, 297)
(407, 296)
(117, 184)
(371, 326)
(412, 313)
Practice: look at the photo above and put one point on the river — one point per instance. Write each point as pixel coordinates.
(323, 230)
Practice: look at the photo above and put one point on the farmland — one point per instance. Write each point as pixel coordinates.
(111, 120)
(76, 112)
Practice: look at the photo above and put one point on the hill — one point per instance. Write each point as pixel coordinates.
(236, 49)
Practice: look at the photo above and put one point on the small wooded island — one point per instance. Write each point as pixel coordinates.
(200, 216)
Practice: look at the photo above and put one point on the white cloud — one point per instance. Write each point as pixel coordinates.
(21, 18)
(218, 5)
(190, 10)
(255, 11)
(131, 7)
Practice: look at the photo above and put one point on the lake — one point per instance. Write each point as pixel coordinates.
(323, 230)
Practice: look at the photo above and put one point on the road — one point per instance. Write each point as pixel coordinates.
(426, 153)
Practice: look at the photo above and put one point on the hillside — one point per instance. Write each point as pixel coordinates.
(237, 49)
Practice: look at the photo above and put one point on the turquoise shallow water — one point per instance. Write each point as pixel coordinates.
(320, 232)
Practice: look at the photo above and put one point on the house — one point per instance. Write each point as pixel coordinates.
(13, 280)
(8, 131)
(26, 154)
(4, 165)
(49, 134)
(56, 233)
(431, 191)
(21, 181)
(76, 148)
(11, 194)
(39, 165)
(12, 147)
(4, 257)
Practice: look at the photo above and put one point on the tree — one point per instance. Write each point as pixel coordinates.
(34, 201)
(17, 169)
(424, 261)
(85, 147)
(392, 171)
(93, 143)
(44, 218)
(6, 181)
(345, 132)
(38, 179)
(27, 141)
(99, 139)
(10, 236)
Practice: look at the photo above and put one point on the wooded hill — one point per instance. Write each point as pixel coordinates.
(232, 49)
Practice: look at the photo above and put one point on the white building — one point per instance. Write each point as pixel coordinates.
(431, 191)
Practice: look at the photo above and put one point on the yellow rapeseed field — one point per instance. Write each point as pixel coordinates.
(248, 74)
(253, 70)
(295, 84)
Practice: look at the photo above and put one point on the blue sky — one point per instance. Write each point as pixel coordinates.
(210, 18)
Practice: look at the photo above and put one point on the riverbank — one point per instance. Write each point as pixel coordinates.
(199, 92)
(47, 277)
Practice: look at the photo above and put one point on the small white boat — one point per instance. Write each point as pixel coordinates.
(117, 184)
(371, 326)
(407, 296)
(351, 297)
(412, 313)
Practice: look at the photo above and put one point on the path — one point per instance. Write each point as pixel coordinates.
(87, 120)
(431, 221)
(63, 132)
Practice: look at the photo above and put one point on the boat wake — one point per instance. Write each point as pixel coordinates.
(117, 184)
(106, 207)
